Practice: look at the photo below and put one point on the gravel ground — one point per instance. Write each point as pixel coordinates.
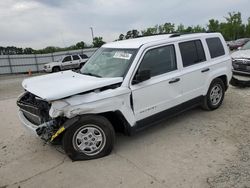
(195, 149)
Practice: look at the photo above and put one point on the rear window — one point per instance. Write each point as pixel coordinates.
(215, 47)
(192, 52)
(84, 56)
(76, 57)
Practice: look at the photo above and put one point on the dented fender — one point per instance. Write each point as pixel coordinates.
(95, 102)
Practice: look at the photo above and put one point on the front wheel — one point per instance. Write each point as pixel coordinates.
(56, 69)
(91, 137)
(215, 95)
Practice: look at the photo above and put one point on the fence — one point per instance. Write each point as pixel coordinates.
(23, 63)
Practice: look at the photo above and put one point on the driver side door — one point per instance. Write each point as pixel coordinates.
(163, 89)
(67, 62)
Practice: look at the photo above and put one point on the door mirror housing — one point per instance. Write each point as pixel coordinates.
(141, 76)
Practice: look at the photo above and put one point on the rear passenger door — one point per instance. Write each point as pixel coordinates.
(76, 61)
(194, 69)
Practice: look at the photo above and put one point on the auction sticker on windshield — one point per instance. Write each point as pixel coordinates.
(122, 55)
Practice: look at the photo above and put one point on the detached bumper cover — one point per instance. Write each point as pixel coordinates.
(27, 124)
(240, 83)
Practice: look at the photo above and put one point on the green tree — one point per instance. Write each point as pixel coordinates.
(234, 22)
(80, 45)
(213, 25)
(248, 28)
(98, 42)
(28, 51)
(180, 28)
(150, 31)
(198, 29)
(121, 37)
(169, 28)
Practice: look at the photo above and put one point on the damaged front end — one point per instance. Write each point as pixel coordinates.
(34, 115)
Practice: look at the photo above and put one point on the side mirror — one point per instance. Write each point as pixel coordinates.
(141, 76)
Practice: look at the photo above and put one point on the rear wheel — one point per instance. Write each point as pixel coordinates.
(90, 138)
(215, 95)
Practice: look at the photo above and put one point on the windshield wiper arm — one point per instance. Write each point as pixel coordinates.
(91, 74)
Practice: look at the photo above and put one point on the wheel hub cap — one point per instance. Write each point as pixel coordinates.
(216, 94)
(89, 140)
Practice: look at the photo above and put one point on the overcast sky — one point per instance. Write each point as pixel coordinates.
(41, 23)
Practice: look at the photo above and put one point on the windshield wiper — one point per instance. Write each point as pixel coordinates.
(91, 74)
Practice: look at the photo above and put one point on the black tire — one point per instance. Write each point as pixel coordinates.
(208, 101)
(101, 125)
(81, 65)
(56, 69)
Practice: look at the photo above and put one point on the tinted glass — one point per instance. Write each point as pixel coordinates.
(67, 58)
(215, 47)
(192, 52)
(76, 57)
(83, 56)
(159, 61)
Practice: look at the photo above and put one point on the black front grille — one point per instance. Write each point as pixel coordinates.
(242, 62)
(34, 109)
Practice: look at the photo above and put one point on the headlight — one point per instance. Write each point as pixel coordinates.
(57, 108)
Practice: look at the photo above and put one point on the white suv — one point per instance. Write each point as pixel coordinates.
(126, 86)
(67, 62)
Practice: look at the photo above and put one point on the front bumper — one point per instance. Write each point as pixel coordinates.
(27, 124)
(238, 72)
(47, 69)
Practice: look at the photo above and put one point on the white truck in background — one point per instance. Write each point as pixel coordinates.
(67, 62)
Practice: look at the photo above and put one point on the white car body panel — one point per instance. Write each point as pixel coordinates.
(63, 84)
(64, 65)
(149, 97)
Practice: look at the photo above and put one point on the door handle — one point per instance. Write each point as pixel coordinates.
(205, 70)
(174, 80)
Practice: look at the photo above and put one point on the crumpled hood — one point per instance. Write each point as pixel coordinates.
(241, 54)
(64, 84)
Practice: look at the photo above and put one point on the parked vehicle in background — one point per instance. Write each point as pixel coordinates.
(67, 62)
(234, 45)
(126, 86)
(241, 66)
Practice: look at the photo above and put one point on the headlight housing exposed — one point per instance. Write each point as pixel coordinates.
(57, 108)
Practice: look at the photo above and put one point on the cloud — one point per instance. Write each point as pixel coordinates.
(40, 23)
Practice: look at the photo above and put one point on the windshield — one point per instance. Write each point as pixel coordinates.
(246, 46)
(109, 62)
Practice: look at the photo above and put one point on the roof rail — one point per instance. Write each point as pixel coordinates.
(180, 34)
(175, 35)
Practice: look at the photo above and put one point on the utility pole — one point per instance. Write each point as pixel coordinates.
(92, 33)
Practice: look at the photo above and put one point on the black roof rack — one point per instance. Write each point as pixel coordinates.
(180, 34)
(175, 35)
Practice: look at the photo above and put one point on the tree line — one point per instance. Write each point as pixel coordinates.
(231, 28)
(12, 50)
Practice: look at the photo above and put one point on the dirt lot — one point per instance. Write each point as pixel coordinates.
(195, 149)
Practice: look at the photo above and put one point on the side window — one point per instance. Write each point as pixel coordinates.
(83, 56)
(215, 47)
(192, 52)
(159, 60)
(76, 57)
(67, 58)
